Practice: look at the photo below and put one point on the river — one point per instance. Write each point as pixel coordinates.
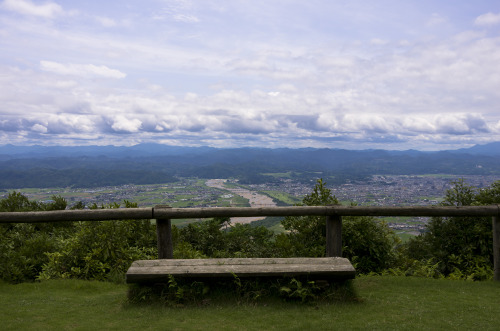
(255, 199)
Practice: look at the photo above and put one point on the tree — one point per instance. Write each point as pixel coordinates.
(97, 250)
(218, 238)
(307, 233)
(23, 245)
(460, 245)
(16, 201)
(369, 244)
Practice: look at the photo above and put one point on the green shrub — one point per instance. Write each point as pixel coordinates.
(462, 246)
(217, 238)
(101, 250)
(89, 250)
(370, 245)
(22, 252)
(23, 245)
(180, 291)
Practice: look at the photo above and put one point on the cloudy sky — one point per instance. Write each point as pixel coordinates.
(351, 74)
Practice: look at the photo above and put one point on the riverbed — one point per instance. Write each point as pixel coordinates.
(255, 199)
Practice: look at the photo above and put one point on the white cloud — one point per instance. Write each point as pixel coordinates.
(224, 80)
(84, 70)
(186, 18)
(26, 7)
(178, 10)
(64, 84)
(378, 42)
(124, 124)
(106, 21)
(418, 124)
(71, 123)
(488, 19)
(39, 128)
(436, 20)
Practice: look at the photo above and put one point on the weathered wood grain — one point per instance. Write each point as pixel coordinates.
(76, 215)
(165, 244)
(159, 270)
(496, 248)
(334, 236)
(177, 213)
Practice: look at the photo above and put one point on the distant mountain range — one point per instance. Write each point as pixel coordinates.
(487, 149)
(35, 151)
(90, 166)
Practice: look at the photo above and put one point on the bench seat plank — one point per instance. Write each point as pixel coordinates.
(159, 270)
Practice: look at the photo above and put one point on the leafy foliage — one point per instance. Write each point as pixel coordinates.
(461, 246)
(458, 248)
(307, 233)
(89, 250)
(23, 246)
(180, 291)
(218, 238)
(79, 177)
(369, 244)
(102, 250)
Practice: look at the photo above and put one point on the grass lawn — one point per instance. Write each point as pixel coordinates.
(382, 303)
(284, 197)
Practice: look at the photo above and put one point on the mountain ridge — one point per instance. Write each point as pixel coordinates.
(151, 149)
(37, 166)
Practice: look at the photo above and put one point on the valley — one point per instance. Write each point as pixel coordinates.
(380, 190)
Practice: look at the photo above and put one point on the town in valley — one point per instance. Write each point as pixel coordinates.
(380, 190)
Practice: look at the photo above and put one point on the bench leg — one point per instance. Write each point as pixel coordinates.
(334, 236)
(164, 237)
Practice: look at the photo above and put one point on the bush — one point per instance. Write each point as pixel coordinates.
(89, 250)
(22, 245)
(370, 245)
(461, 246)
(101, 250)
(217, 238)
(307, 234)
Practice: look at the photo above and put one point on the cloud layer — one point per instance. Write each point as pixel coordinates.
(260, 74)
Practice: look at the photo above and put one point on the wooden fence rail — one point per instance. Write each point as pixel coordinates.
(160, 212)
(163, 215)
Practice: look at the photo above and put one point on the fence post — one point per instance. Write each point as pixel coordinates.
(164, 236)
(496, 248)
(333, 236)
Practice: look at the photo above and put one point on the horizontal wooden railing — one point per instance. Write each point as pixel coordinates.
(163, 215)
(182, 213)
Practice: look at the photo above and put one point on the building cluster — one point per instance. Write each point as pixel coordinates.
(386, 190)
(379, 190)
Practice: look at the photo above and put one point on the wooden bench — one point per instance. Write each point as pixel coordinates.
(154, 271)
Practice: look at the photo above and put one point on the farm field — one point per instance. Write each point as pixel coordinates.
(380, 303)
(388, 190)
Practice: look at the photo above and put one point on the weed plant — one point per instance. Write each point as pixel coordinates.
(184, 291)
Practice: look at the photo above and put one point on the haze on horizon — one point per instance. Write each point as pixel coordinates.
(355, 74)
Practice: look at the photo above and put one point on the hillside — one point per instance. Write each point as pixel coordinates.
(88, 166)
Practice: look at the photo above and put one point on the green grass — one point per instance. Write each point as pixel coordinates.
(272, 223)
(278, 174)
(383, 303)
(184, 221)
(233, 185)
(405, 235)
(282, 196)
(239, 201)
